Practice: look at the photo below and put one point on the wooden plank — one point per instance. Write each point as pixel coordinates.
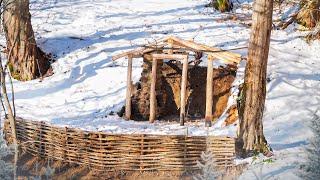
(169, 56)
(183, 90)
(138, 52)
(153, 100)
(209, 92)
(131, 52)
(218, 53)
(129, 89)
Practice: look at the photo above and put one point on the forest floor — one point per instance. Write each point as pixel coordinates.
(32, 167)
(86, 86)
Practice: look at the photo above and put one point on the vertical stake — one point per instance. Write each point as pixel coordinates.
(129, 88)
(153, 91)
(183, 90)
(170, 44)
(209, 92)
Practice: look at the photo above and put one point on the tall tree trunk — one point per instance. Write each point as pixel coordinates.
(254, 90)
(26, 61)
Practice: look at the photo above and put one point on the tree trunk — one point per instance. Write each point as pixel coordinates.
(26, 61)
(254, 91)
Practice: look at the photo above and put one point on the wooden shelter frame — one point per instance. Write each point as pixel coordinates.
(174, 48)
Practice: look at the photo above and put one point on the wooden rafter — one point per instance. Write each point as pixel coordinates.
(174, 42)
(227, 56)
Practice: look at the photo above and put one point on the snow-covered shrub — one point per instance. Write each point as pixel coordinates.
(312, 167)
(6, 169)
(208, 167)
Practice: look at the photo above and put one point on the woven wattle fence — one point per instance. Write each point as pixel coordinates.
(103, 151)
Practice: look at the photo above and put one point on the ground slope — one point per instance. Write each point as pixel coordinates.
(87, 85)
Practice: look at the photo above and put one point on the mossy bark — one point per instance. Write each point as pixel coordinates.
(26, 60)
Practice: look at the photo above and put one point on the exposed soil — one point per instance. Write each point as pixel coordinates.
(168, 90)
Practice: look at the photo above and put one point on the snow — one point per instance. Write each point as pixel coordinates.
(87, 85)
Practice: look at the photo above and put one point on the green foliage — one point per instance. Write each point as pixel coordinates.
(14, 74)
(259, 158)
(222, 5)
(268, 160)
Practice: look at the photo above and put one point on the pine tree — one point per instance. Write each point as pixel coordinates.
(312, 167)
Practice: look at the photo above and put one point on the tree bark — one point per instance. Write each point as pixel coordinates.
(26, 61)
(254, 91)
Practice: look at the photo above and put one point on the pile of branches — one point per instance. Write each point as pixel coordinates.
(307, 15)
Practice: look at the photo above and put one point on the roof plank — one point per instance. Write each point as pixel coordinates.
(218, 53)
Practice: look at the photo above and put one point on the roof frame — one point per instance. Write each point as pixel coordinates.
(173, 42)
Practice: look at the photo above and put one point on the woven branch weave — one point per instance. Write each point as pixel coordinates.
(103, 151)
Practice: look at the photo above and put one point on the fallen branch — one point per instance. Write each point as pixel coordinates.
(284, 24)
(315, 34)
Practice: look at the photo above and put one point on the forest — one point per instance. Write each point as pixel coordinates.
(150, 89)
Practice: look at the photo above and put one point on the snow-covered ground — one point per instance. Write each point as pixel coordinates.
(87, 85)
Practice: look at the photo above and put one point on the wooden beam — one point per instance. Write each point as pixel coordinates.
(183, 90)
(218, 53)
(209, 92)
(170, 56)
(138, 52)
(153, 99)
(129, 89)
(135, 53)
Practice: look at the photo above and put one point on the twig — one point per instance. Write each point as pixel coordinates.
(12, 94)
(7, 103)
(283, 25)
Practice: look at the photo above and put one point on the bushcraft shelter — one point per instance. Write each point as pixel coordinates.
(157, 57)
(168, 81)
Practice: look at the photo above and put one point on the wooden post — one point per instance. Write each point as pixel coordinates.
(129, 89)
(153, 100)
(170, 45)
(183, 90)
(209, 91)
